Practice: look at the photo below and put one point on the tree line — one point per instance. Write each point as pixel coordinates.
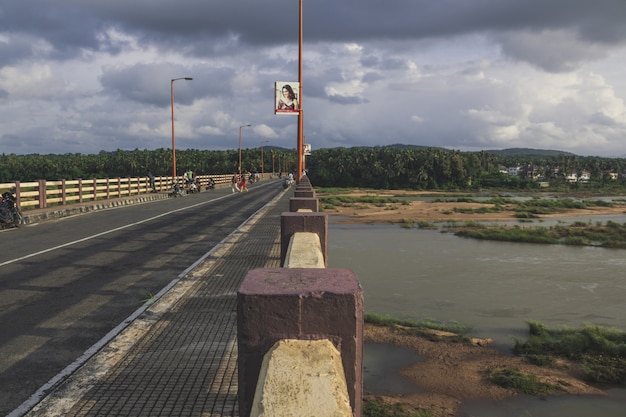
(386, 167)
(389, 167)
(137, 163)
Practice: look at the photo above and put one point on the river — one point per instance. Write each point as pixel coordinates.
(493, 287)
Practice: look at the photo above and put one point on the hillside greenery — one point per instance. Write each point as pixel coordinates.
(417, 168)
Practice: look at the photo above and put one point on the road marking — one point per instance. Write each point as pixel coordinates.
(117, 229)
(44, 400)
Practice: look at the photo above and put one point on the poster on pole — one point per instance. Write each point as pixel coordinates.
(286, 97)
(307, 149)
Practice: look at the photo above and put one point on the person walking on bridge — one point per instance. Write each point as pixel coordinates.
(243, 185)
(233, 183)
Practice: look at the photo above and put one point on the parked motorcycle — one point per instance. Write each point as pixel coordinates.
(10, 215)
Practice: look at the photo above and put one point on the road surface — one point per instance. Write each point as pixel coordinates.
(66, 283)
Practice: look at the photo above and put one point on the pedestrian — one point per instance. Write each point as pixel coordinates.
(152, 186)
(242, 184)
(233, 183)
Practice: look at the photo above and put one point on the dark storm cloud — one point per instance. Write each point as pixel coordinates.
(151, 83)
(68, 29)
(220, 26)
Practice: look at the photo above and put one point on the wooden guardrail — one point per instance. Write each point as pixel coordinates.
(44, 193)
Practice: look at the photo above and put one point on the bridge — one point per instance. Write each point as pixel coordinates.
(215, 341)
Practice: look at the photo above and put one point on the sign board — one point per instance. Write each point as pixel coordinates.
(286, 97)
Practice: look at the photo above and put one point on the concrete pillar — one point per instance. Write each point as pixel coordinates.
(307, 193)
(305, 304)
(296, 203)
(291, 223)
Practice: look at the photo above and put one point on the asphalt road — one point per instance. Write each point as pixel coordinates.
(64, 284)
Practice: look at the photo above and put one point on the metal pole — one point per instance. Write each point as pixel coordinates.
(173, 138)
(300, 147)
(262, 163)
(173, 135)
(240, 127)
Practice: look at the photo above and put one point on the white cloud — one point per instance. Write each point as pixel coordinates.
(97, 75)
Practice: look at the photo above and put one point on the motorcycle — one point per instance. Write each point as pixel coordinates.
(177, 191)
(192, 186)
(10, 215)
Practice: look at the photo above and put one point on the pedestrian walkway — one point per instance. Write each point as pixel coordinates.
(179, 357)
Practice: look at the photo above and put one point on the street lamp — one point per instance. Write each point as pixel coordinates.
(173, 135)
(241, 127)
(262, 169)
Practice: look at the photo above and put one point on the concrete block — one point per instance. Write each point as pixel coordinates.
(303, 193)
(291, 223)
(304, 251)
(305, 304)
(296, 203)
(301, 378)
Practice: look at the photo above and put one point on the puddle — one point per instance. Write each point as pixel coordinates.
(381, 369)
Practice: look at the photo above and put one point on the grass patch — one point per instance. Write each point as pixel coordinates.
(600, 351)
(518, 381)
(427, 225)
(349, 201)
(374, 407)
(407, 223)
(610, 235)
(424, 327)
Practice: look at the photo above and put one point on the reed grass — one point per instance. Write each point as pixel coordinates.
(374, 407)
(600, 351)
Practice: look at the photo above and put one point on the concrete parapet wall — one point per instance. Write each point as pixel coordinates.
(303, 222)
(305, 304)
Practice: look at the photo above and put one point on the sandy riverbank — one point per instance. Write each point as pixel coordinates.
(437, 211)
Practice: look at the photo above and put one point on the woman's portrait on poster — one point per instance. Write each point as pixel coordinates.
(288, 101)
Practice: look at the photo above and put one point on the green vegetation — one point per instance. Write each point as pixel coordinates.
(408, 223)
(423, 327)
(379, 167)
(609, 235)
(374, 407)
(518, 381)
(430, 168)
(136, 163)
(426, 225)
(600, 351)
(327, 203)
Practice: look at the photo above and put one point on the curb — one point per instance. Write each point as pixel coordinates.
(79, 209)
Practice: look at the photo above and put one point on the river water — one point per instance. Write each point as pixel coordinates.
(493, 287)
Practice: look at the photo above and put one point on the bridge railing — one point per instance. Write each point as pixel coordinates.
(300, 327)
(44, 193)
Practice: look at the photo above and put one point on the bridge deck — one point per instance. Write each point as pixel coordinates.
(180, 356)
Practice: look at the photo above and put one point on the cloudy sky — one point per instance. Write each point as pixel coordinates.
(81, 76)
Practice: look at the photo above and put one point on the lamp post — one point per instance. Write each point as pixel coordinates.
(173, 135)
(262, 169)
(241, 127)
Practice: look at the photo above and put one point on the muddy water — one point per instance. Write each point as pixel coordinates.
(493, 287)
